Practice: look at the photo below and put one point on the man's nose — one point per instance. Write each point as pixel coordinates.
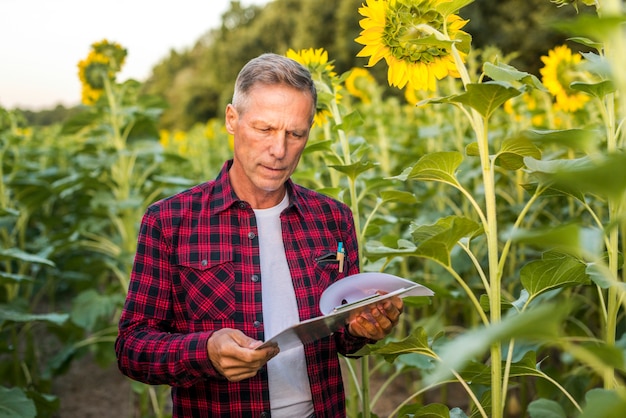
(278, 148)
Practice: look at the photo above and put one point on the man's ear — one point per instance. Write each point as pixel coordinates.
(231, 119)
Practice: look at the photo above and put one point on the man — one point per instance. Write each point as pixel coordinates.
(229, 263)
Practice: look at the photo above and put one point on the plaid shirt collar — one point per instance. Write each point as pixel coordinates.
(224, 188)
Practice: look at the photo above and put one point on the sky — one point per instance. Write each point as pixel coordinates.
(42, 41)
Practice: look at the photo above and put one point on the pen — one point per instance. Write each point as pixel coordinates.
(340, 256)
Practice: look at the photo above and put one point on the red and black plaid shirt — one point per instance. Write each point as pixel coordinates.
(197, 270)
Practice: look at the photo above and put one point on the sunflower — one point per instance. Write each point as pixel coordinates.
(415, 38)
(324, 76)
(176, 142)
(560, 70)
(359, 84)
(316, 60)
(103, 62)
(114, 52)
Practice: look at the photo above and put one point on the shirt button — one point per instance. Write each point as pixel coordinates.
(251, 235)
(256, 324)
(264, 415)
(255, 278)
(204, 263)
(242, 205)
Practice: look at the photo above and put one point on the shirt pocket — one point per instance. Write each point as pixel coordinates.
(209, 285)
(327, 268)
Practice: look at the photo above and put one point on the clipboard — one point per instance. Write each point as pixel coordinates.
(342, 299)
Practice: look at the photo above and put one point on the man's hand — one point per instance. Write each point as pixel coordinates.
(234, 356)
(376, 322)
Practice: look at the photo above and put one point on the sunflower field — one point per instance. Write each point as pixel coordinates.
(501, 190)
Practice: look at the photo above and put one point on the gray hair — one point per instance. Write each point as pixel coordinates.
(273, 69)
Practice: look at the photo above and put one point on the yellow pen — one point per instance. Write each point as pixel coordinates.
(340, 256)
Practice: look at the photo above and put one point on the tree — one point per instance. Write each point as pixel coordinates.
(198, 83)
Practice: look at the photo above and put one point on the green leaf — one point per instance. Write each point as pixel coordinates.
(79, 122)
(521, 326)
(567, 238)
(398, 196)
(431, 41)
(604, 354)
(507, 73)
(15, 404)
(601, 175)
(353, 170)
(437, 166)
(416, 360)
(545, 408)
(601, 275)
(603, 403)
(554, 166)
(480, 373)
(14, 278)
(485, 98)
(350, 121)
(174, 180)
(527, 366)
(584, 140)
(604, 278)
(472, 150)
(90, 307)
(314, 146)
(431, 241)
(599, 90)
(597, 64)
(512, 153)
(19, 255)
(587, 42)
(9, 212)
(447, 8)
(592, 26)
(448, 230)
(375, 249)
(437, 100)
(8, 314)
(333, 192)
(433, 410)
(553, 271)
(416, 342)
(554, 191)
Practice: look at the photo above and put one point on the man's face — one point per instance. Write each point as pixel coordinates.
(270, 135)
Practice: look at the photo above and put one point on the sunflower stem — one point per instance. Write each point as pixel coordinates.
(354, 206)
(613, 47)
(491, 231)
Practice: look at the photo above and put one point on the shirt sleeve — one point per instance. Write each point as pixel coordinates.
(148, 348)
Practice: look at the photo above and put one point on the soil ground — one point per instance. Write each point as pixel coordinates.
(87, 391)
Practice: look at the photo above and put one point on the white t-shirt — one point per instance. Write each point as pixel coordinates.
(290, 392)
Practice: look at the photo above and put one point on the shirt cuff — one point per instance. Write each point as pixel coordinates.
(196, 358)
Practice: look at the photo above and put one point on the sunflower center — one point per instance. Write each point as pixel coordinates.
(404, 37)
